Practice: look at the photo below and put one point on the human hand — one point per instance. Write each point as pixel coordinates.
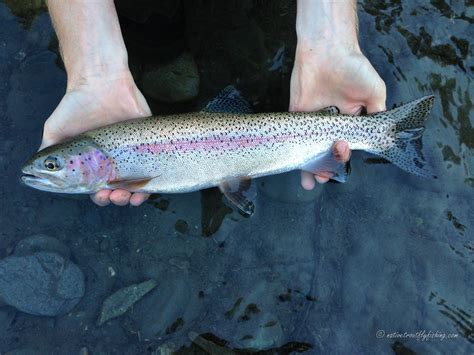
(334, 77)
(93, 103)
(330, 69)
(100, 88)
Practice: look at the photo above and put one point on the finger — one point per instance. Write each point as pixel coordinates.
(120, 197)
(341, 151)
(354, 111)
(138, 198)
(45, 143)
(376, 103)
(307, 180)
(101, 198)
(376, 106)
(321, 179)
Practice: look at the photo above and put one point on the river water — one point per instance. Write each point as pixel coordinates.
(380, 265)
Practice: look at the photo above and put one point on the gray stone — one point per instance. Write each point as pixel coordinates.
(268, 334)
(121, 301)
(208, 346)
(41, 242)
(175, 82)
(43, 283)
(7, 314)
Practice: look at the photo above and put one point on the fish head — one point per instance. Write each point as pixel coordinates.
(77, 166)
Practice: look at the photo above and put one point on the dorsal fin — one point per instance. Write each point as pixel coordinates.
(330, 110)
(229, 100)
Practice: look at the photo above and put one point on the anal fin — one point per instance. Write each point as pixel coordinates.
(238, 192)
(328, 164)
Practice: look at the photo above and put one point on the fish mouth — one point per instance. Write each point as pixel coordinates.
(29, 179)
(39, 181)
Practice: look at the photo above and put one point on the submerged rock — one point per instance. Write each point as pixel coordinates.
(174, 82)
(210, 347)
(121, 301)
(44, 283)
(181, 226)
(212, 344)
(7, 315)
(41, 242)
(26, 10)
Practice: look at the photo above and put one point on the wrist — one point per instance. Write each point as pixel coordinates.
(98, 68)
(325, 56)
(96, 81)
(327, 25)
(90, 39)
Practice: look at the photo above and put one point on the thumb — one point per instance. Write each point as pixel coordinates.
(44, 143)
(376, 106)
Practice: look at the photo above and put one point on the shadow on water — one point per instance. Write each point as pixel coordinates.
(187, 274)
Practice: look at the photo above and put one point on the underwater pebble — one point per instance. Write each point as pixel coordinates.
(162, 204)
(41, 242)
(166, 349)
(268, 334)
(44, 283)
(121, 301)
(180, 263)
(181, 226)
(104, 245)
(209, 346)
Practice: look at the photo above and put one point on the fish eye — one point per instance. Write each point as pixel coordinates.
(51, 164)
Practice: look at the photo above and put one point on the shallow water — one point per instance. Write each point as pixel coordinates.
(385, 252)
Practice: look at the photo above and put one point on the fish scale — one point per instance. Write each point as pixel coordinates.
(217, 146)
(188, 152)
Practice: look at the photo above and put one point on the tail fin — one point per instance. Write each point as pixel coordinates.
(409, 126)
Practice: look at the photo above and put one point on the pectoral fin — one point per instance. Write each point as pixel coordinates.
(238, 192)
(328, 164)
(135, 185)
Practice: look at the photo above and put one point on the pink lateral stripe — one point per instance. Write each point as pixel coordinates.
(210, 144)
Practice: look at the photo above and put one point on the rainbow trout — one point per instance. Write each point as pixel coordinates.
(193, 151)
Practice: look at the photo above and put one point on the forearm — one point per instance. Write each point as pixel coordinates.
(90, 39)
(327, 24)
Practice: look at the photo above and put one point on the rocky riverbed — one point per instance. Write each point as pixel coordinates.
(343, 269)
